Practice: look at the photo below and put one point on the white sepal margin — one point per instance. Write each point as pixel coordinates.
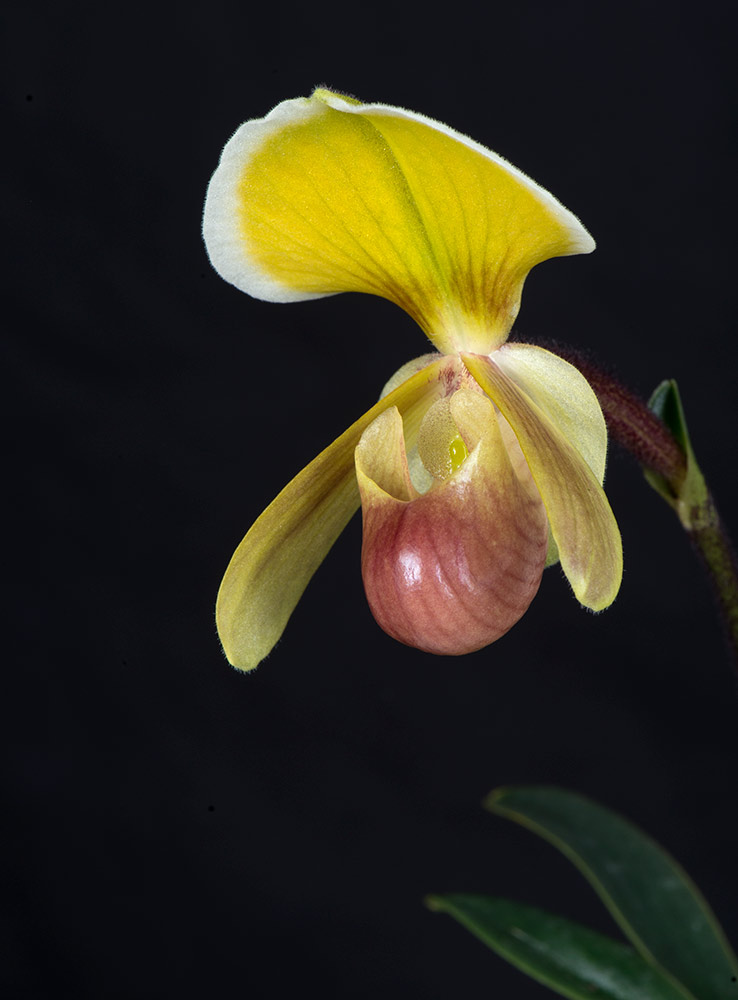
(225, 243)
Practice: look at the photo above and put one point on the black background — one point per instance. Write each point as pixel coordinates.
(177, 829)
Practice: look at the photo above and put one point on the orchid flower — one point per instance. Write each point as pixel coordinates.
(482, 462)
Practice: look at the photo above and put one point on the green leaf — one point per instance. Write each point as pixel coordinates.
(691, 497)
(571, 959)
(666, 403)
(651, 897)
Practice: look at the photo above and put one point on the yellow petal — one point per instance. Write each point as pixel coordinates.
(564, 395)
(275, 561)
(328, 195)
(452, 570)
(580, 517)
(567, 399)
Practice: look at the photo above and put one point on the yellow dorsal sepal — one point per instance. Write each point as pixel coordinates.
(327, 195)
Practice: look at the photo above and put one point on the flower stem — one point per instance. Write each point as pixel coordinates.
(713, 546)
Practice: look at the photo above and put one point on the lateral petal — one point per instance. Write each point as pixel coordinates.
(275, 561)
(327, 195)
(564, 395)
(582, 523)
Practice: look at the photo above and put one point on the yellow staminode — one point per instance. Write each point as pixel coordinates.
(458, 453)
(327, 195)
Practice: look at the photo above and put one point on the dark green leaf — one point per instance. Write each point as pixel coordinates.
(655, 902)
(571, 959)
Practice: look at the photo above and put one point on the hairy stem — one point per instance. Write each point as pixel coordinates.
(715, 550)
(668, 461)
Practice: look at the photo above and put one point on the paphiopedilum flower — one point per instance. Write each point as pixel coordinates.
(483, 461)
